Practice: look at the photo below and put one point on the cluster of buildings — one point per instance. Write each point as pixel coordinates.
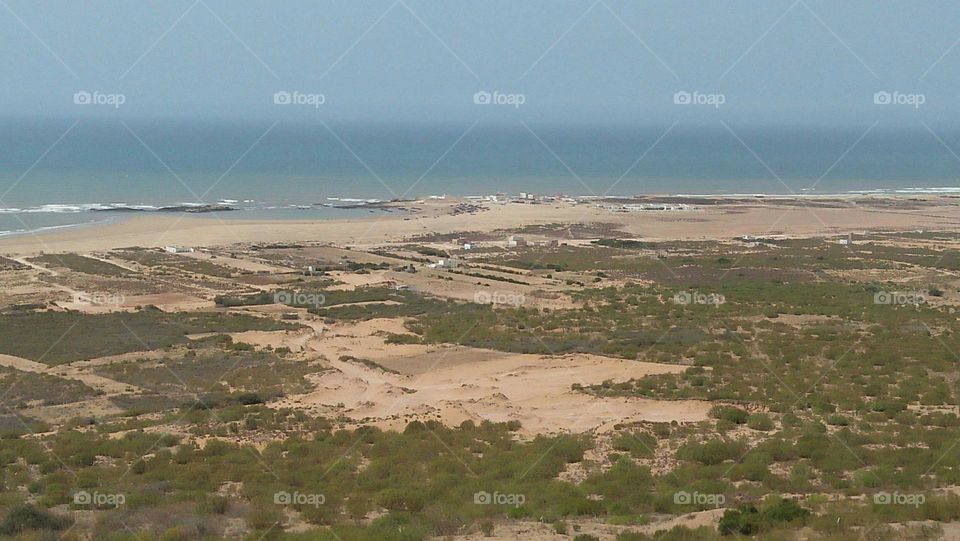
(522, 197)
(640, 207)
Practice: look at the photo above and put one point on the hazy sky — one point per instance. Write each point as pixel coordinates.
(577, 61)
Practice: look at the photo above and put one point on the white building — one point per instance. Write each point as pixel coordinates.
(178, 249)
(513, 241)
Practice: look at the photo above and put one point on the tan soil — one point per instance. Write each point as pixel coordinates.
(475, 384)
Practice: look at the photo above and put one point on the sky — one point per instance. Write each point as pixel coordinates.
(562, 61)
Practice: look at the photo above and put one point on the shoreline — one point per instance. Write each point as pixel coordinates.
(726, 217)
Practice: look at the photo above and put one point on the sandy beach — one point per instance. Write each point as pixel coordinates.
(716, 218)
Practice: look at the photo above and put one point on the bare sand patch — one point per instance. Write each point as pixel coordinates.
(24, 365)
(453, 384)
(236, 263)
(96, 407)
(293, 340)
(454, 285)
(68, 371)
(352, 280)
(101, 303)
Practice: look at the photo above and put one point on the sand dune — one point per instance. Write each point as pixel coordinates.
(463, 383)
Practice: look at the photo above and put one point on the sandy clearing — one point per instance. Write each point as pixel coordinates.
(462, 287)
(352, 280)
(294, 340)
(228, 261)
(532, 389)
(456, 383)
(68, 371)
(110, 302)
(22, 364)
(96, 407)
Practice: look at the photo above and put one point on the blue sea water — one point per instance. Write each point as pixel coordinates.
(281, 171)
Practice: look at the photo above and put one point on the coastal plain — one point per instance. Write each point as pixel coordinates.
(617, 369)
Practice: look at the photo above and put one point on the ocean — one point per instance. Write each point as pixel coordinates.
(105, 170)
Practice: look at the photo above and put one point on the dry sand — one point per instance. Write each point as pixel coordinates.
(453, 384)
(802, 217)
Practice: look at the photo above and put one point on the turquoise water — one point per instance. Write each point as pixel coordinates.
(294, 169)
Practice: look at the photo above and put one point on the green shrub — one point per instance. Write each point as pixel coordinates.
(760, 421)
(729, 413)
(26, 518)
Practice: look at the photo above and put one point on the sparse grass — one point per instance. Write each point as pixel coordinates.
(21, 389)
(216, 372)
(60, 337)
(160, 260)
(820, 394)
(79, 263)
(10, 265)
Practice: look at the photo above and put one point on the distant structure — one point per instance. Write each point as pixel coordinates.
(514, 241)
(467, 246)
(447, 264)
(178, 249)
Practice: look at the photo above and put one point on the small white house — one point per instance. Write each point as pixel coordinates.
(513, 241)
(447, 264)
(178, 249)
(467, 246)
